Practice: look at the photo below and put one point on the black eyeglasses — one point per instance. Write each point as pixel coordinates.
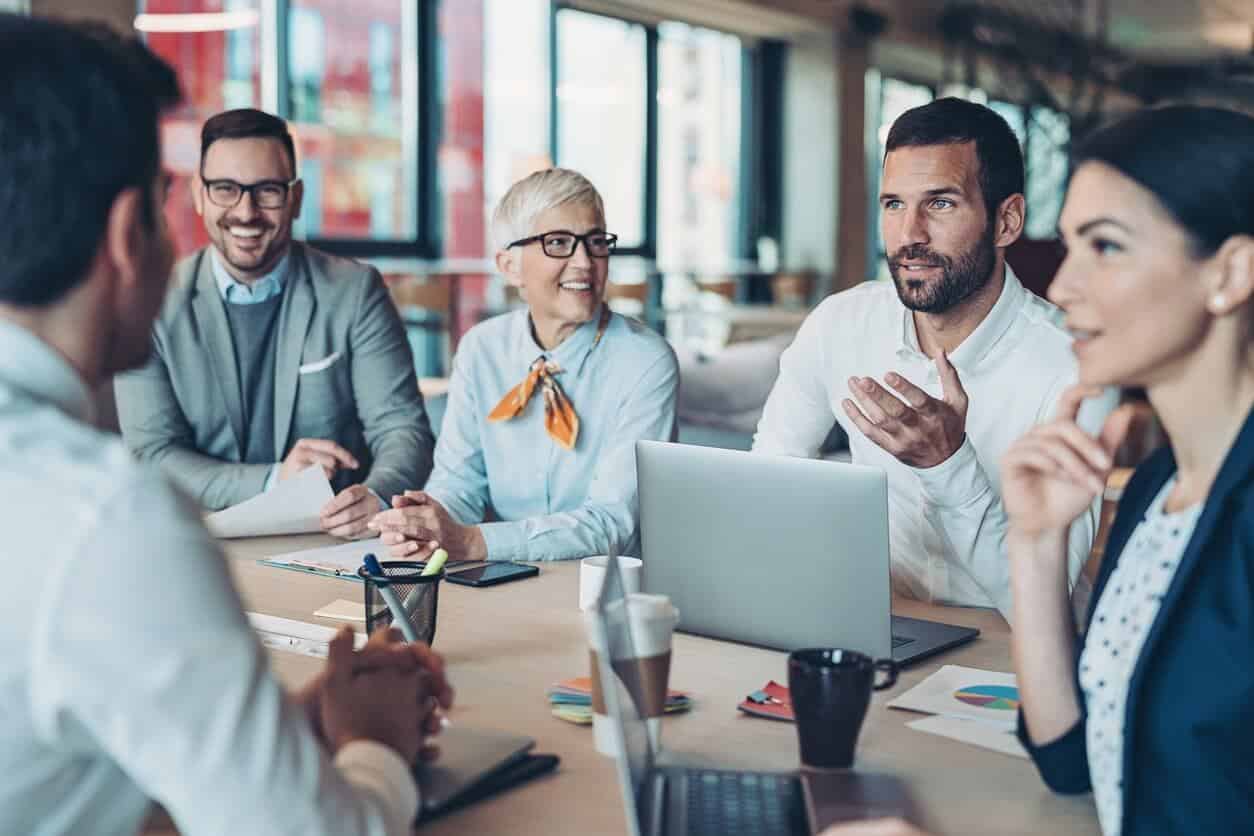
(266, 194)
(561, 244)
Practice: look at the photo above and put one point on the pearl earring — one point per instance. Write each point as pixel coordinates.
(1217, 302)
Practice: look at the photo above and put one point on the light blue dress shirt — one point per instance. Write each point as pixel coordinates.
(553, 503)
(128, 670)
(238, 293)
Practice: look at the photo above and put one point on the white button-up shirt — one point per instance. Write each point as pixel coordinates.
(947, 526)
(128, 671)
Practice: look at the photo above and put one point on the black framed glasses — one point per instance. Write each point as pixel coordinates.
(561, 244)
(266, 194)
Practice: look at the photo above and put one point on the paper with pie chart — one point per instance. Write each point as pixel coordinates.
(990, 697)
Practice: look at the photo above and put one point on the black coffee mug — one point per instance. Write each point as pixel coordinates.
(830, 690)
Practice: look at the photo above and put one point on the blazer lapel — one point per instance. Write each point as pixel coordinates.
(1232, 474)
(295, 314)
(220, 348)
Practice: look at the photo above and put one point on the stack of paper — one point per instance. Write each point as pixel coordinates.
(971, 705)
(340, 561)
(571, 700)
(290, 507)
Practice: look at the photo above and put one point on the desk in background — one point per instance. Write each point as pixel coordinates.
(506, 644)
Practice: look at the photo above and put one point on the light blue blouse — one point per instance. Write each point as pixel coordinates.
(553, 503)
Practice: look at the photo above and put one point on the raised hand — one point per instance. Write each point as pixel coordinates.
(917, 429)
(1054, 472)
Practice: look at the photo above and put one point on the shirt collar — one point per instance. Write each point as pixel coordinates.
(986, 334)
(572, 352)
(232, 290)
(30, 364)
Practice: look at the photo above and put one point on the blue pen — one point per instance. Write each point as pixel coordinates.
(389, 597)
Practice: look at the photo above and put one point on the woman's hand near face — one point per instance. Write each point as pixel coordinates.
(1052, 474)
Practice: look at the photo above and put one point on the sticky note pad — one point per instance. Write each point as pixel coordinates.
(343, 610)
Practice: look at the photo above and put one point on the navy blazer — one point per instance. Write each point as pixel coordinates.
(1188, 757)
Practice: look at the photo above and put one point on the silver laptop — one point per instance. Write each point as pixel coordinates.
(672, 798)
(776, 551)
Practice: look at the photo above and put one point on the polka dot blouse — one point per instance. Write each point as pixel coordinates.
(1121, 621)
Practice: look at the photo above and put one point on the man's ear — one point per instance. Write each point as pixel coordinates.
(509, 263)
(1011, 216)
(126, 230)
(297, 198)
(1231, 284)
(198, 194)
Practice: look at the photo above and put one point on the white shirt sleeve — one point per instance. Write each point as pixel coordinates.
(143, 649)
(798, 416)
(962, 504)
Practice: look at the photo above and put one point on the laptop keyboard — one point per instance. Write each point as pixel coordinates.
(898, 641)
(734, 803)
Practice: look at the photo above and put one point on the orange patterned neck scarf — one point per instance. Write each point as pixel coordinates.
(560, 419)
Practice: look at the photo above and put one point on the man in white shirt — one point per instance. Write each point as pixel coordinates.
(128, 671)
(969, 358)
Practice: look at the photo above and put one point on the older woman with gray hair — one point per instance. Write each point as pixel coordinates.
(545, 404)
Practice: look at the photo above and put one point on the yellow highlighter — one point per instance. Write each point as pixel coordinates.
(436, 563)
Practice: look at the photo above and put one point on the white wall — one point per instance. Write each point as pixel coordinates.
(810, 156)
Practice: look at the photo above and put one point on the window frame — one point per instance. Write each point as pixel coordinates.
(758, 190)
(273, 33)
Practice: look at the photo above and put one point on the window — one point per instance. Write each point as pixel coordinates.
(1048, 164)
(218, 71)
(349, 90)
(699, 126)
(602, 120)
(889, 98)
(351, 115)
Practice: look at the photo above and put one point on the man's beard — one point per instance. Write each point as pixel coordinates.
(959, 279)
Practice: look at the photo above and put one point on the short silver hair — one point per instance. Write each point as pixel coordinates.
(536, 194)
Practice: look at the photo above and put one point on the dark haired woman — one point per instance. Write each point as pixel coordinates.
(1153, 708)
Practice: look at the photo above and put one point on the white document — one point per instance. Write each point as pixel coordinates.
(290, 507)
(972, 731)
(296, 636)
(342, 610)
(343, 559)
(989, 697)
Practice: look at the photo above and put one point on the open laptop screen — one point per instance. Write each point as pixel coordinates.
(636, 763)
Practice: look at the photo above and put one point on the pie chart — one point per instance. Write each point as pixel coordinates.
(999, 697)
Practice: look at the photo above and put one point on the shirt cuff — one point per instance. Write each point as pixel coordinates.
(383, 506)
(271, 478)
(956, 481)
(504, 541)
(381, 772)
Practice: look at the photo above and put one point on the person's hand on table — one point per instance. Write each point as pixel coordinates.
(875, 827)
(417, 524)
(916, 429)
(348, 514)
(371, 693)
(310, 451)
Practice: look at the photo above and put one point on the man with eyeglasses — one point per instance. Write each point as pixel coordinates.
(270, 356)
(545, 404)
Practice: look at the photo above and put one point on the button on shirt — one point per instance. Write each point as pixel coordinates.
(128, 670)
(947, 526)
(553, 503)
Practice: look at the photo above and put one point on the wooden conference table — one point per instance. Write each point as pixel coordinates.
(506, 644)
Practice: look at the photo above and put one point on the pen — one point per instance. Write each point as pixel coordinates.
(389, 597)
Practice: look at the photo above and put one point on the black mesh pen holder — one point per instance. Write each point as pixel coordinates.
(418, 595)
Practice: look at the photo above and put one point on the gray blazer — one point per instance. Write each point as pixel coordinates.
(344, 372)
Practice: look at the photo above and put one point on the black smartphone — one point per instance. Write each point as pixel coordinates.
(491, 574)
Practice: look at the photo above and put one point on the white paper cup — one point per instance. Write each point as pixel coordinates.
(652, 620)
(592, 576)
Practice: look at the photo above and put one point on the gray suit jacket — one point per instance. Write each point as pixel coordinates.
(344, 372)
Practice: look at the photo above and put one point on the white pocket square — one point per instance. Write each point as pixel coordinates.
(319, 365)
